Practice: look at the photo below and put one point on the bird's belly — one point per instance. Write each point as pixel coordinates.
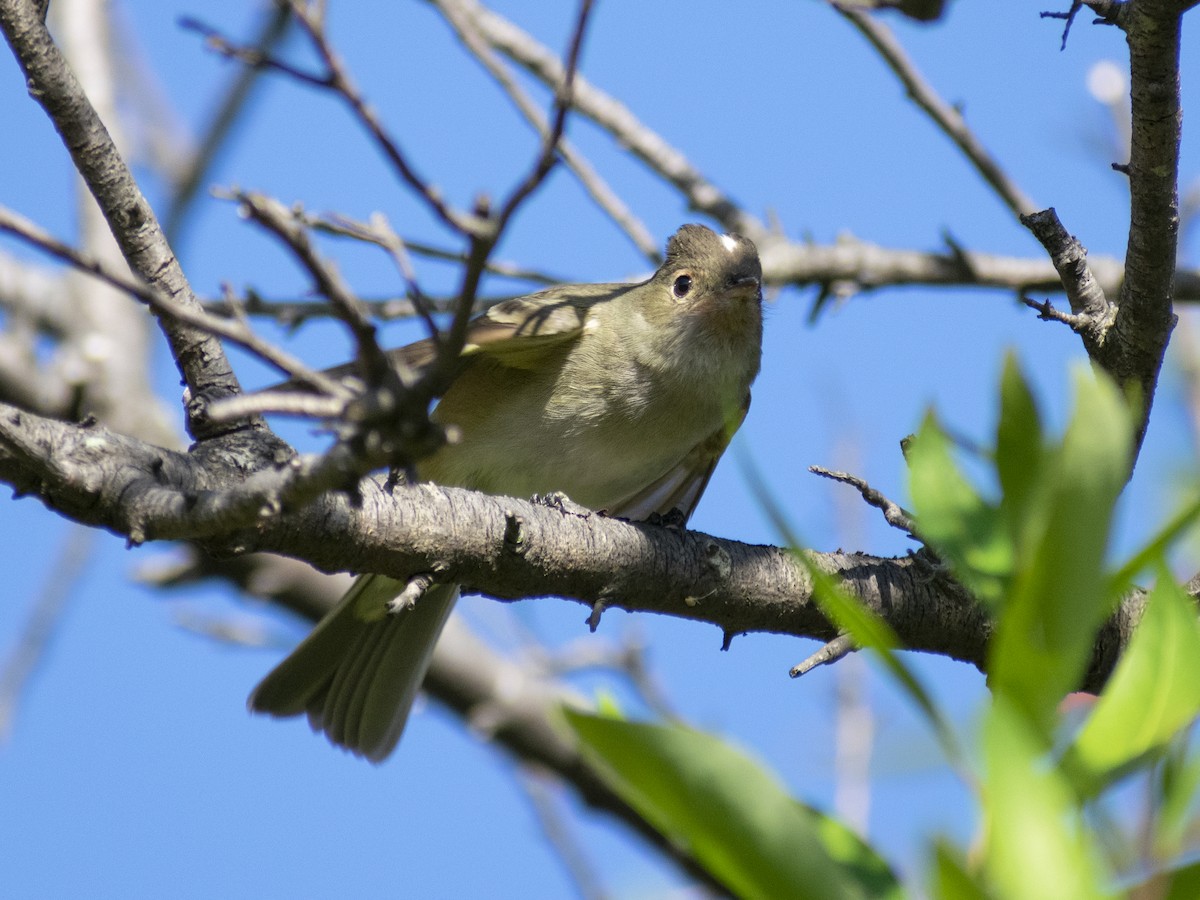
(595, 465)
(528, 442)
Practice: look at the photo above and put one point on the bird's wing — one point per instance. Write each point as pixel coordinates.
(681, 486)
(519, 332)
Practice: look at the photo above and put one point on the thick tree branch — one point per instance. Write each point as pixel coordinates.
(1126, 332)
(506, 548)
(1144, 317)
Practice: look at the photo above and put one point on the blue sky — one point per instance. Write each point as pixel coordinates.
(134, 770)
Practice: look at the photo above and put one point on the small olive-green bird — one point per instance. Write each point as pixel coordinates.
(621, 396)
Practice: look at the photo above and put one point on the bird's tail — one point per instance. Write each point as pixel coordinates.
(357, 673)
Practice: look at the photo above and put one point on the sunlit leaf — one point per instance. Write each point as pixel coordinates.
(1018, 449)
(730, 814)
(951, 880)
(1059, 593)
(1154, 691)
(1037, 846)
(966, 531)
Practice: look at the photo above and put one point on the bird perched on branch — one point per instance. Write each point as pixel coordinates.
(621, 396)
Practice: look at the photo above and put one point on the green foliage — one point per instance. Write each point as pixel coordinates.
(732, 815)
(1037, 846)
(1037, 556)
(1154, 692)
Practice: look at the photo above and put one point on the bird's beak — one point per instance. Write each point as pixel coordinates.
(747, 284)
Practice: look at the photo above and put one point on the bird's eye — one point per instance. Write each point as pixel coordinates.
(682, 285)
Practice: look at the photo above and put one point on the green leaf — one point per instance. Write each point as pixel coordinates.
(1037, 846)
(1059, 595)
(952, 880)
(732, 815)
(1155, 548)
(966, 531)
(1018, 448)
(1154, 692)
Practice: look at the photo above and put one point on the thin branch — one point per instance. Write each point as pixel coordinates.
(166, 307)
(288, 225)
(283, 403)
(558, 833)
(345, 226)
(564, 97)
(1070, 261)
(51, 82)
(311, 19)
(292, 313)
(591, 180)
(43, 622)
(1047, 313)
(380, 233)
(614, 117)
(839, 648)
(483, 241)
(945, 116)
(233, 103)
(893, 513)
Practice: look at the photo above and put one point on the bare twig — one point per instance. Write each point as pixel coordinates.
(831, 652)
(168, 307)
(1047, 313)
(613, 116)
(345, 226)
(289, 227)
(283, 403)
(1069, 259)
(557, 829)
(232, 105)
(945, 116)
(483, 241)
(43, 621)
(591, 180)
(130, 217)
(893, 513)
(564, 98)
(380, 232)
(292, 312)
(311, 19)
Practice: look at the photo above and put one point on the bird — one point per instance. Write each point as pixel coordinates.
(620, 396)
